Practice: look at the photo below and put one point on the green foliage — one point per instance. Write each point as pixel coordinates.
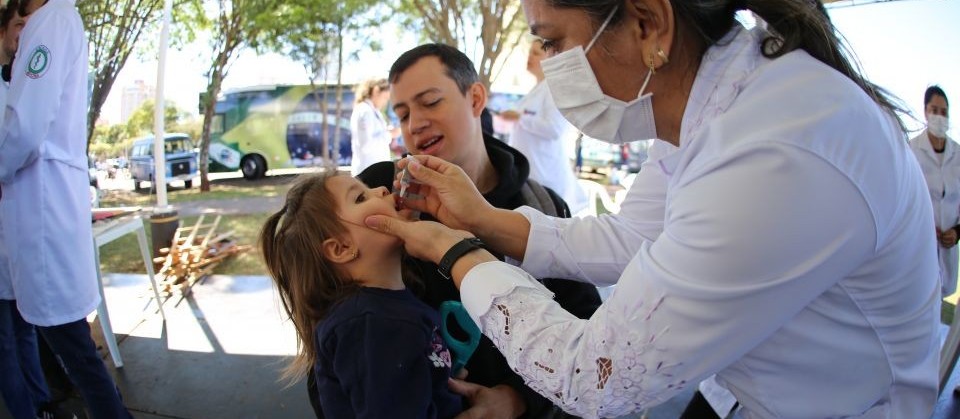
(141, 121)
(118, 28)
(483, 29)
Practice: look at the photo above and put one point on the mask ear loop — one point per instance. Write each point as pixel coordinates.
(602, 27)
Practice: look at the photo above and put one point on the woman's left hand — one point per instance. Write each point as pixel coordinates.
(425, 240)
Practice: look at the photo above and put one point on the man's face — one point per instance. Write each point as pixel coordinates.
(11, 35)
(435, 118)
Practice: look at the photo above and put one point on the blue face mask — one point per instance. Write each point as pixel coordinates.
(581, 101)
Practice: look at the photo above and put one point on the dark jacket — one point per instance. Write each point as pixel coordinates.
(487, 366)
(380, 355)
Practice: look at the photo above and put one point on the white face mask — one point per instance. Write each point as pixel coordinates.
(938, 125)
(580, 99)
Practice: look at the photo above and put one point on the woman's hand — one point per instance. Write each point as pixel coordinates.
(447, 193)
(425, 240)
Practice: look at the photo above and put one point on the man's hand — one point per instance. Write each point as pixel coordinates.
(500, 401)
(948, 238)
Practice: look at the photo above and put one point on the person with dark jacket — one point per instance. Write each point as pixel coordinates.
(440, 116)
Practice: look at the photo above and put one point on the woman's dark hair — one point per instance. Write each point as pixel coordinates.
(22, 8)
(934, 91)
(8, 12)
(459, 67)
(309, 285)
(794, 24)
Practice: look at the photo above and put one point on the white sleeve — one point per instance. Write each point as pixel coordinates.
(748, 243)
(36, 90)
(597, 249)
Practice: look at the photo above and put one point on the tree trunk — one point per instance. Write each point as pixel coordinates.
(213, 89)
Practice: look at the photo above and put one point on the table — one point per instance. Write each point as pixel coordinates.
(106, 232)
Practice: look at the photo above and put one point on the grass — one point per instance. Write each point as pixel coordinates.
(123, 254)
(113, 198)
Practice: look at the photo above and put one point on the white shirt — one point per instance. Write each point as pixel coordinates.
(43, 171)
(942, 173)
(6, 286)
(795, 261)
(542, 135)
(370, 139)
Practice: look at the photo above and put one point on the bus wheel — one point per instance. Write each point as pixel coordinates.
(187, 184)
(253, 167)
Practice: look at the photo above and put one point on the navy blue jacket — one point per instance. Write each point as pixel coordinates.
(380, 355)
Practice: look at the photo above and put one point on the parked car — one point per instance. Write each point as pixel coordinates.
(179, 154)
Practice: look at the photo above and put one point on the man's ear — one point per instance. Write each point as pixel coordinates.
(478, 98)
(339, 252)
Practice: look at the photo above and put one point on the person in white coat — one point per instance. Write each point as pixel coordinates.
(545, 138)
(789, 251)
(22, 383)
(46, 211)
(371, 135)
(939, 157)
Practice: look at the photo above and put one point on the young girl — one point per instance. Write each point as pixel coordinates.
(373, 347)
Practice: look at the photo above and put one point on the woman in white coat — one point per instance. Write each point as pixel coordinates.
(784, 246)
(371, 135)
(939, 157)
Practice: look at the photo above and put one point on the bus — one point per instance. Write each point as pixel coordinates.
(274, 127)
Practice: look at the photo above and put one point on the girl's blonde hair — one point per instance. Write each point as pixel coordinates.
(365, 89)
(292, 245)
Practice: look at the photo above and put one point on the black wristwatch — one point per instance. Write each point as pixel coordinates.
(455, 253)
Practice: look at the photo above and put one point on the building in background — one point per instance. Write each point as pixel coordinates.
(133, 97)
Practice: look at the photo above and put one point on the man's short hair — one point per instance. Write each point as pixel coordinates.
(8, 12)
(459, 67)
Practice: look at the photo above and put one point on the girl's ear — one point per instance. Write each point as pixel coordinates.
(339, 252)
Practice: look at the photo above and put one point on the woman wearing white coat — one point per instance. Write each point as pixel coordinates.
(789, 249)
(46, 214)
(371, 136)
(939, 157)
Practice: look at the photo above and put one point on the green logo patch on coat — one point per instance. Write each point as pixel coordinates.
(39, 62)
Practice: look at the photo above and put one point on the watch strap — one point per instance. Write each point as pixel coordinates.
(455, 253)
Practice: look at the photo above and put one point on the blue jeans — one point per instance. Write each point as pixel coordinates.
(21, 378)
(77, 352)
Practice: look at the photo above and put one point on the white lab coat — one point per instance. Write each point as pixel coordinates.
(542, 135)
(43, 171)
(943, 182)
(370, 139)
(793, 257)
(6, 286)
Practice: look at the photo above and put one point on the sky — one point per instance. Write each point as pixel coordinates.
(904, 46)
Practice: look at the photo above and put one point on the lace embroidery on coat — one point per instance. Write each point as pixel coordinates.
(592, 373)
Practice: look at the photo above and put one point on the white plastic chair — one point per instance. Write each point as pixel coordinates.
(596, 191)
